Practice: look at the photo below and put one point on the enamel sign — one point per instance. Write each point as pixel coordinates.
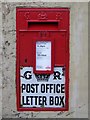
(42, 91)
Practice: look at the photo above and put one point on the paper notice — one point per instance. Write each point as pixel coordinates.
(43, 55)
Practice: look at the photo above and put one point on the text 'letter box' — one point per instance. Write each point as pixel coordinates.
(42, 59)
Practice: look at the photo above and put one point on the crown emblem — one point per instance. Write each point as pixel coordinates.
(42, 16)
(42, 77)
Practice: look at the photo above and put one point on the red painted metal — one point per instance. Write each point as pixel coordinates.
(42, 23)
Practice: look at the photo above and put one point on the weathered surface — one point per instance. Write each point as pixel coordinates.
(78, 99)
(0, 62)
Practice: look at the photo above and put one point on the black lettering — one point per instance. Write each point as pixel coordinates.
(54, 88)
(32, 88)
(37, 88)
(43, 88)
(27, 100)
(31, 100)
(51, 101)
(47, 87)
(40, 100)
(61, 101)
(57, 75)
(51, 87)
(28, 88)
(44, 100)
(28, 75)
(56, 100)
(23, 102)
(23, 87)
(36, 100)
(57, 88)
(62, 88)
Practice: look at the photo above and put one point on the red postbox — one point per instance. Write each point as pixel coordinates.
(42, 59)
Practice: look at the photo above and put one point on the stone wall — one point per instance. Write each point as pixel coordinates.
(0, 62)
(78, 98)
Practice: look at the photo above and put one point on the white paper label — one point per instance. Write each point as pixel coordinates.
(43, 55)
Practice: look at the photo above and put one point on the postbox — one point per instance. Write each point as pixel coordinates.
(42, 59)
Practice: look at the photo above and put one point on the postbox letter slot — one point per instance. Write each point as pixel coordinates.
(43, 25)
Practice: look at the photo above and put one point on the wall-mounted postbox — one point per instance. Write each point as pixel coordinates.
(42, 59)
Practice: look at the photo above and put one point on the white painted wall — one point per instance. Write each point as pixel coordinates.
(78, 101)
